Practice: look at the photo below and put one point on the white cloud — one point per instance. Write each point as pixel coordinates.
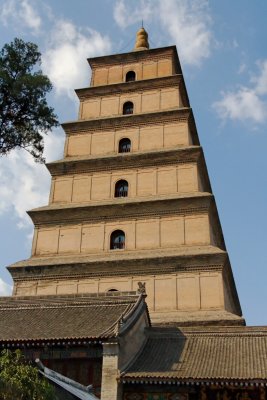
(187, 22)
(20, 12)
(125, 17)
(246, 103)
(31, 18)
(24, 183)
(5, 288)
(261, 80)
(65, 59)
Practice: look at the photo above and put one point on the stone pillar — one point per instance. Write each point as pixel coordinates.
(110, 388)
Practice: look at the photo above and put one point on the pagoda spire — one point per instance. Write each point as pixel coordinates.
(141, 42)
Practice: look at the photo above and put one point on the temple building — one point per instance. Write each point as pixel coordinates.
(129, 286)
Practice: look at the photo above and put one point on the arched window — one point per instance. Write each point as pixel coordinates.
(130, 76)
(128, 108)
(113, 290)
(125, 145)
(121, 188)
(117, 240)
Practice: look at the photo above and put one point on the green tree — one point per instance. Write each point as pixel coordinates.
(19, 380)
(24, 113)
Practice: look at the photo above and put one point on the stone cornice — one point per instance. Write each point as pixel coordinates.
(86, 267)
(128, 87)
(138, 209)
(136, 87)
(128, 121)
(137, 57)
(122, 161)
(132, 121)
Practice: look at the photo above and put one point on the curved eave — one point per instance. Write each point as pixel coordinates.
(52, 342)
(190, 381)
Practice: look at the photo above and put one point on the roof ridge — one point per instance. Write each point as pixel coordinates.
(126, 314)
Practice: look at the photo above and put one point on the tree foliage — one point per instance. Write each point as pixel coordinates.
(19, 380)
(24, 113)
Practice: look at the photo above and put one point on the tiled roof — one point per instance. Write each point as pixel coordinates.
(63, 317)
(203, 354)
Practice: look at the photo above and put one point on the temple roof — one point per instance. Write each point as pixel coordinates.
(202, 354)
(67, 317)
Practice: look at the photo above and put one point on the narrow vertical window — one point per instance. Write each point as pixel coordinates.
(125, 145)
(128, 108)
(130, 76)
(117, 240)
(121, 188)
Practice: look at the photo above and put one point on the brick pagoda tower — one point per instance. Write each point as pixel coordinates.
(129, 287)
(131, 200)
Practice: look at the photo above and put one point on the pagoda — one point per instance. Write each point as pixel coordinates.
(129, 285)
(131, 199)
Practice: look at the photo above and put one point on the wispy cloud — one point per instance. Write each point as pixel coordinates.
(187, 22)
(24, 183)
(246, 103)
(125, 14)
(64, 61)
(20, 12)
(66, 46)
(242, 68)
(5, 288)
(260, 80)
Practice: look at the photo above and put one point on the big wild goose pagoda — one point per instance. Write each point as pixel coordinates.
(129, 287)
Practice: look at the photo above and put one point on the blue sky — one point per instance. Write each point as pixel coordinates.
(223, 51)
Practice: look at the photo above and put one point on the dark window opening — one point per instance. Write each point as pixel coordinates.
(113, 290)
(124, 146)
(121, 189)
(130, 76)
(128, 108)
(117, 240)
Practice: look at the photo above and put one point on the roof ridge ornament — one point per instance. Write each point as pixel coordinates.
(141, 42)
(141, 288)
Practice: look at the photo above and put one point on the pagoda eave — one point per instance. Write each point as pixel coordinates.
(195, 203)
(136, 56)
(175, 156)
(132, 87)
(118, 263)
(179, 114)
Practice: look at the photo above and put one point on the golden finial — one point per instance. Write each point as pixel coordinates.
(141, 42)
